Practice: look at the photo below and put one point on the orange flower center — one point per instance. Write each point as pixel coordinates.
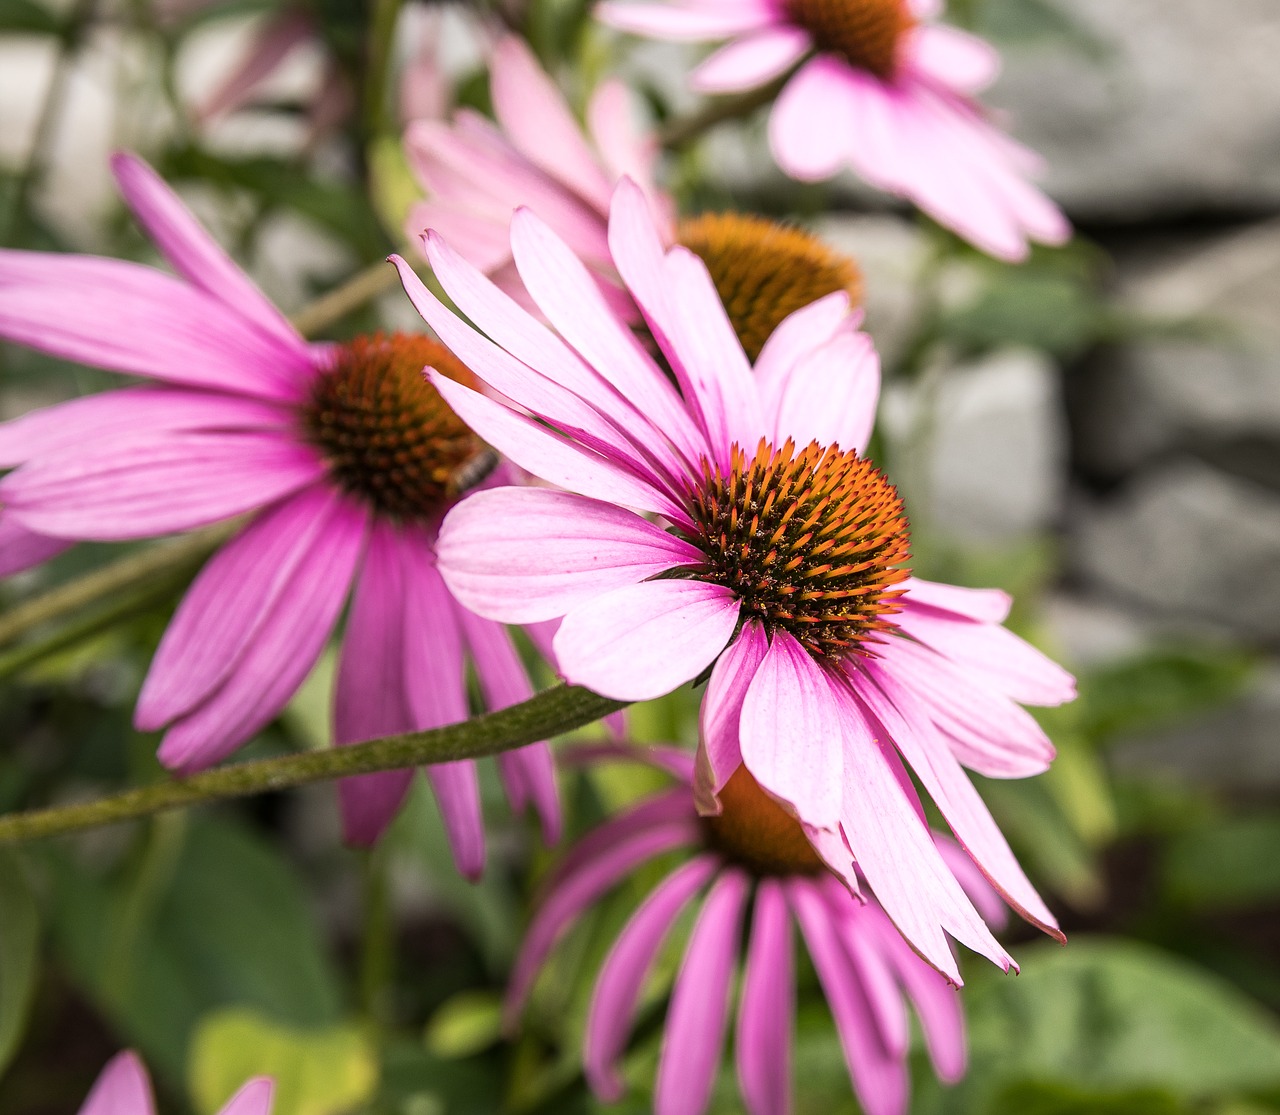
(764, 271)
(865, 33)
(812, 542)
(754, 831)
(386, 432)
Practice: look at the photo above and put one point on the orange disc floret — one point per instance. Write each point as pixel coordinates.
(865, 33)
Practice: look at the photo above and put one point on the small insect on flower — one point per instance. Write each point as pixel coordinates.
(719, 516)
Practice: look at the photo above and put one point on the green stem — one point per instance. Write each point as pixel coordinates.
(682, 131)
(362, 287)
(550, 713)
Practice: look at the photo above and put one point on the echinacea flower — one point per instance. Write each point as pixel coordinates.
(880, 87)
(123, 1088)
(751, 850)
(342, 457)
(477, 174)
(776, 561)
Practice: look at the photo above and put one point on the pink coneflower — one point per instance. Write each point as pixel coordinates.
(752, 847)
(880, 87)
(343, 457)
(124, 1088)
(776, 561)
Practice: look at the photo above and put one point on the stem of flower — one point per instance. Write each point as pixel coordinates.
(550, 713)
(682, 131)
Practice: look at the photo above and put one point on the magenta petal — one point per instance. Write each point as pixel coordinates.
(986, 605)
(698, 1014)
(282, 652)
(523, 555)
(879, 1075)
(227, 604)
(613, 1002)
(642, 641)
(574, 892)
(123, 1088)
(458, 794)
(719, 753)
(766, 1011)
(253, 1099)
(790, 732)
(874, 974)
(156, 483)
(22, 549)
(193, 253)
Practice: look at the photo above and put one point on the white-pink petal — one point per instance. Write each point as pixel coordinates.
(830, 395)
(750, 61)
(719, 752)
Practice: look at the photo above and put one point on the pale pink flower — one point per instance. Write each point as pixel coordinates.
(865, 968)
(777, 569)
(476, 173)
(341, 456)
(124, 1088)
(881, 87)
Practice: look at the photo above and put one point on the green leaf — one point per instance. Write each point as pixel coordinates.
(317, 1072)
(465, 1025)
(1230, 863)
(19, 954)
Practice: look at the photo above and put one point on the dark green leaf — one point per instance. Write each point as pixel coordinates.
(19, 953)
(28, 17)
(1231, 863)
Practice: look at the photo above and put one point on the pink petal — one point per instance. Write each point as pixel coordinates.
(688, 23)
(613, 1002)
(699, 1010)
(458, 795)
(192, 252)
(873, 973)
(1003, 661)
(273, 40)
(642, 641)
(830, 395)
(879, 1075)
(790, 732)
(945, 782)
(156, 483)
(981, 893)
(986, 605)
(533, 113)
(528, 554)
(751, 61)
(896, 854)
(798, 336)
(674, 760)
(122, 1089)
(574, 893)
(527, 772)
(70, 425)
(128, 318)
(21, 549)
(282, 652)
(253, 1099)
(963, 62)
(628, 151)
(766, 1011)
(228, 603)
(719, 753)
(478, 235)
(812, 110)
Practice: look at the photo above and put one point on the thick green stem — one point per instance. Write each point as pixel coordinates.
(550, 713)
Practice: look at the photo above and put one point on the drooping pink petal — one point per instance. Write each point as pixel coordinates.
(830, 395)
(527, 772)
(128, 318)
(719, 752)
(811, 110)
(123, 1088)
(699, 1010)
(766, 1011)
(192, 252)
(156, 483)
(981, 893)
(1005, 662)
(272, 42)
(575, 892)
(879, 1075)
(986, 605)
(475, 232)
(621, 978)
(954, 58)
(628, 151)
(691, 23)
(227, 604)
(937, 1003)
(533, 113)
(21, 549)
(674, 760)
(253, 1099)
(642, 641)
(528, 554)
(945, 782)
(898, 858)
(129, 412)
(286, 646)
(751, 61)
(457, 792)
(790, 732)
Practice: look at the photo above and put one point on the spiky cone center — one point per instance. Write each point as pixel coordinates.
(755, 832)
(811, 542)
(764, 271)
(386, 432)
(867, 34)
